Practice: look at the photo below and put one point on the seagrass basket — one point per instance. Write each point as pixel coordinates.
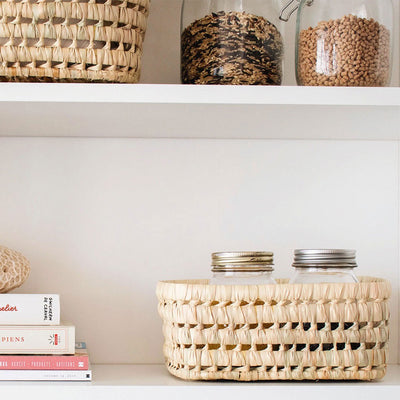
(275, 332)
(72, 40)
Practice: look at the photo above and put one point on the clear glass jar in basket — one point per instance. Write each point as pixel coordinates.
(235, 42)
(324, 266)
(342, 42)
(242, 268)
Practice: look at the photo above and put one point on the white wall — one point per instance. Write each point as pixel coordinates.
(102, 220)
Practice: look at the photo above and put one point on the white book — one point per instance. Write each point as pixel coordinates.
(38, 375)
(25, 339)
(29, 309)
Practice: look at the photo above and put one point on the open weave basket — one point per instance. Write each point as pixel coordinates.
(275, 332)
(72, 40)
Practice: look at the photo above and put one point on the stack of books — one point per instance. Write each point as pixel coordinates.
(34, 345)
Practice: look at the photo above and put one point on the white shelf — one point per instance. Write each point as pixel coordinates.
(153, 382)
(181, 111)
(197, 94)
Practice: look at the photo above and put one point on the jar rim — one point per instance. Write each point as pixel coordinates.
(324, 258)
(243, 259)
(324, 266)
(242, 268)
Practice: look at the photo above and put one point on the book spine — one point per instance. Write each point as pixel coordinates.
(30, 375)
(37, 339)
(80, 362)
(29, 309)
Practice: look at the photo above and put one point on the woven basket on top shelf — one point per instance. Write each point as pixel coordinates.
(75, 40)
(275, 332)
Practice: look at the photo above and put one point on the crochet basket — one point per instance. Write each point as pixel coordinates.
(72, 40)
(275, 332)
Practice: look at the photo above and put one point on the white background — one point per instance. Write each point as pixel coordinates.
(102, 220)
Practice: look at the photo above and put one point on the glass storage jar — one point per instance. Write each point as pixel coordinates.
(343, 42)
(242, 268)
(231, 42)
(324, 266)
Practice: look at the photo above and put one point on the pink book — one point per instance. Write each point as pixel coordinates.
(78, 361)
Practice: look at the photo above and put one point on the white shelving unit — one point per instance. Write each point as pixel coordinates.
(102, 197)
(153, 382)
(177, 111)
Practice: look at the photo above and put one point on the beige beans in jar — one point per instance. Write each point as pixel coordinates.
(350, 51)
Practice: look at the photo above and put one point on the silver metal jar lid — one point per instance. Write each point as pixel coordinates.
(324, 258)
(242, 261)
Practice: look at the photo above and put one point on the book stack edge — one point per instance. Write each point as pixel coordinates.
(35, 345)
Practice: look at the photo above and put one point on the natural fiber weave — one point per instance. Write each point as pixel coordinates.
(14, 269)
(76, 40)
(275, 332)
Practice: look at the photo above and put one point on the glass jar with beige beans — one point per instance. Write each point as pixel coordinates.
(342, 42)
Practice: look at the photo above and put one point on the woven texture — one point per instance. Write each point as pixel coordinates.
(14, 269)
(275, 332)
(76, 40)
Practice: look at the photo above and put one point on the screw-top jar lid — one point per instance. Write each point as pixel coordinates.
(255, 261)
(324, 258)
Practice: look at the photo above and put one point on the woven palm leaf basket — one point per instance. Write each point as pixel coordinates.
(275, 332)
(72, 40)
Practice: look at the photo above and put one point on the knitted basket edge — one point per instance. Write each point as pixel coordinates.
(200, 290)
(313, 375)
